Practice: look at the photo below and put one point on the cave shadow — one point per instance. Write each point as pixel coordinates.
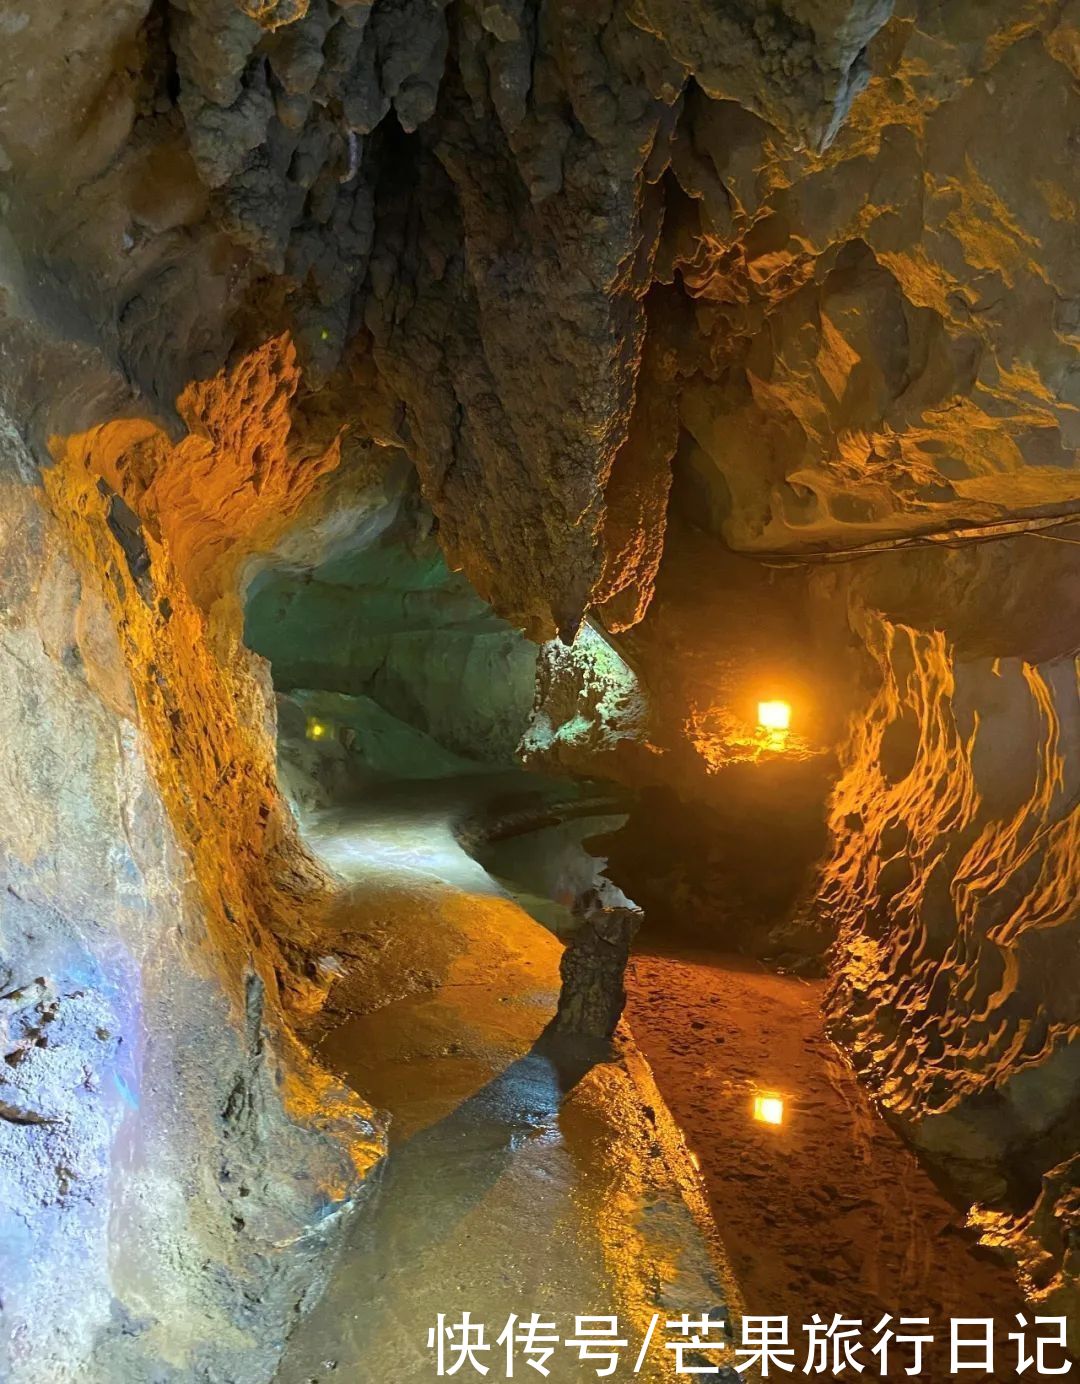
(409, 1251)
(432, 1180)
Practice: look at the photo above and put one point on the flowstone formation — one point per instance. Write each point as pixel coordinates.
(667, 306)
(473, 200)
(545, 252)
(953, 884)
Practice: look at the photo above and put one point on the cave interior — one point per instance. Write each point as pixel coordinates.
(539, 623)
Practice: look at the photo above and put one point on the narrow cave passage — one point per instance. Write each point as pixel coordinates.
(520, 1158)
(403, 703)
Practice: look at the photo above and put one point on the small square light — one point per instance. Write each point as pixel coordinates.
(774, 716)
(316, 729)
(769, 1109)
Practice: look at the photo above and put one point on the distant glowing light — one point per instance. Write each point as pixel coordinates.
(769, 1109)
(316, 729)
(774, 716)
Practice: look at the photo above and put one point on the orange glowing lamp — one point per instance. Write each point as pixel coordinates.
(769, 1108)
(774, 717)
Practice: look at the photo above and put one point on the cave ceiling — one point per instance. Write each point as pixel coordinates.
(820, 258)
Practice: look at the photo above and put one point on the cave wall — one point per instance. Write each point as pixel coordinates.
(383, 640)
(952, 884)
(882, 329)
(955, 856)
(547, 252)
(461, 207)
(168, 1149)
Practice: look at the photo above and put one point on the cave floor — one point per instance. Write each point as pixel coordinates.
(524, 1174)
(829, 1212)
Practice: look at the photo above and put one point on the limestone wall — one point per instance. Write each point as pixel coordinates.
(953, 886)
(174, 1170)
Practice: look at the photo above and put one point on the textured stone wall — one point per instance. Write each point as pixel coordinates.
(461, 207)
(168, 1151)
(882, 340)
(953, 887)
(546, 251)
(954, 872)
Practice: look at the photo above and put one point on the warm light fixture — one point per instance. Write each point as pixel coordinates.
(774, 716)
(316, 729)
(769, 1109)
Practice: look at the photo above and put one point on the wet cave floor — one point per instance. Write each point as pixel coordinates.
(525, 1176)
(525, 1173)
(829, 1212)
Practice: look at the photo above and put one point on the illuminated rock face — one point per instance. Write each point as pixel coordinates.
(473, 198)
(955, 876)
(953, 883)
(168, 1150)
(544, 254)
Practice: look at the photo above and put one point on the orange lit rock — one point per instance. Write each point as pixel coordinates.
(165, 528)
(952, 882)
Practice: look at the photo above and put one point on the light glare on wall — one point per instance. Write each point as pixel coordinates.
(316, 729)
(769, 1109)
(774, 716)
